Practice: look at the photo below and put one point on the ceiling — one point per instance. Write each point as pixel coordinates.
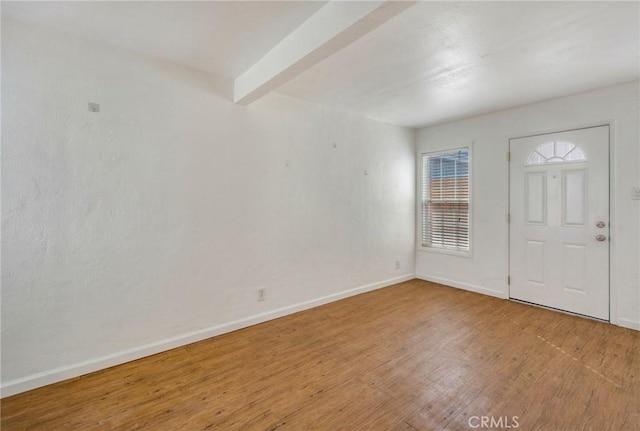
(435, 62)
(220, 37)
(440, 61)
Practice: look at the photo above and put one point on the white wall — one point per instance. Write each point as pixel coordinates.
(487, 269)
(152, 223)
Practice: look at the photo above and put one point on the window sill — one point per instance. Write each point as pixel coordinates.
(467, 254)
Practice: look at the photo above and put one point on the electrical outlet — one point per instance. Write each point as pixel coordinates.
(635, 193)
(94, 107)
(262, 293)
(397, 264)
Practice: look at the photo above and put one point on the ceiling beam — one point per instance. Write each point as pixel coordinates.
(336, 25)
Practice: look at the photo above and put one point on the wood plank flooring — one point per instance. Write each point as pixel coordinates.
(414, 356)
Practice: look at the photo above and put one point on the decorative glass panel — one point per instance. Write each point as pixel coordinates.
(556, 152)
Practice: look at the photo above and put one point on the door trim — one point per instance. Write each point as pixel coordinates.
(613, 297)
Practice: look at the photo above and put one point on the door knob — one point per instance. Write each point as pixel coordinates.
(601, 237)
(601, 224)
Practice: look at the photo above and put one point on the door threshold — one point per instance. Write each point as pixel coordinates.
(559, 310)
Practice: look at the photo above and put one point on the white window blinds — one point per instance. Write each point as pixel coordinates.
(445, 200)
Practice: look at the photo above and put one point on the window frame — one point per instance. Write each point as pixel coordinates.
(421, 184)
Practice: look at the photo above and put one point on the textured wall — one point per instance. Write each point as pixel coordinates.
(161, 215)
(489, 134)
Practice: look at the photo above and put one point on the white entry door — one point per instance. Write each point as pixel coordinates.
(559, 220)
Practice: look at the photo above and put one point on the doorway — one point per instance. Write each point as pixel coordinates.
(559, 220)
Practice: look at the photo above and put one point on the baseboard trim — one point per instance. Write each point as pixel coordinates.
(464, 286)
(37, 380)
(627, 323)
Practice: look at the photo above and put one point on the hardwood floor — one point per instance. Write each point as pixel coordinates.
(415, 356)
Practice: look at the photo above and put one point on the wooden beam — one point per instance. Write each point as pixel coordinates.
(334, 26)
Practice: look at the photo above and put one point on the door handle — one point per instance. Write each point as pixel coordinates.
(601, 237)
(601, 224)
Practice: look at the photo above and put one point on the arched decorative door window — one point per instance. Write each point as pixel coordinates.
(556, 152)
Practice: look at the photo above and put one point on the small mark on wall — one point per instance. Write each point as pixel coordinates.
(94, 107)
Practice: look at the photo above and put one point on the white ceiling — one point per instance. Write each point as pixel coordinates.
(435, 62)
(220, 37)
(440, 61)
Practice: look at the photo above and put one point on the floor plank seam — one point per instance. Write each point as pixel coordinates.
(593, 370)
(573, 358)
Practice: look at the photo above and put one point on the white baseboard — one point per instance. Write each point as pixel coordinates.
(33, 381)
(464, 286)
(627, 323)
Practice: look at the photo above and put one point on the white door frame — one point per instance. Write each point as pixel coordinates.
(613, 297)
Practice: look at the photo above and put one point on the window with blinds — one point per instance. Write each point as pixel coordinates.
(445, 200)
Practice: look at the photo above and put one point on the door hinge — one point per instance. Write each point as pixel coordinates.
(509, 280)
(508, 156)
(508, 218)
